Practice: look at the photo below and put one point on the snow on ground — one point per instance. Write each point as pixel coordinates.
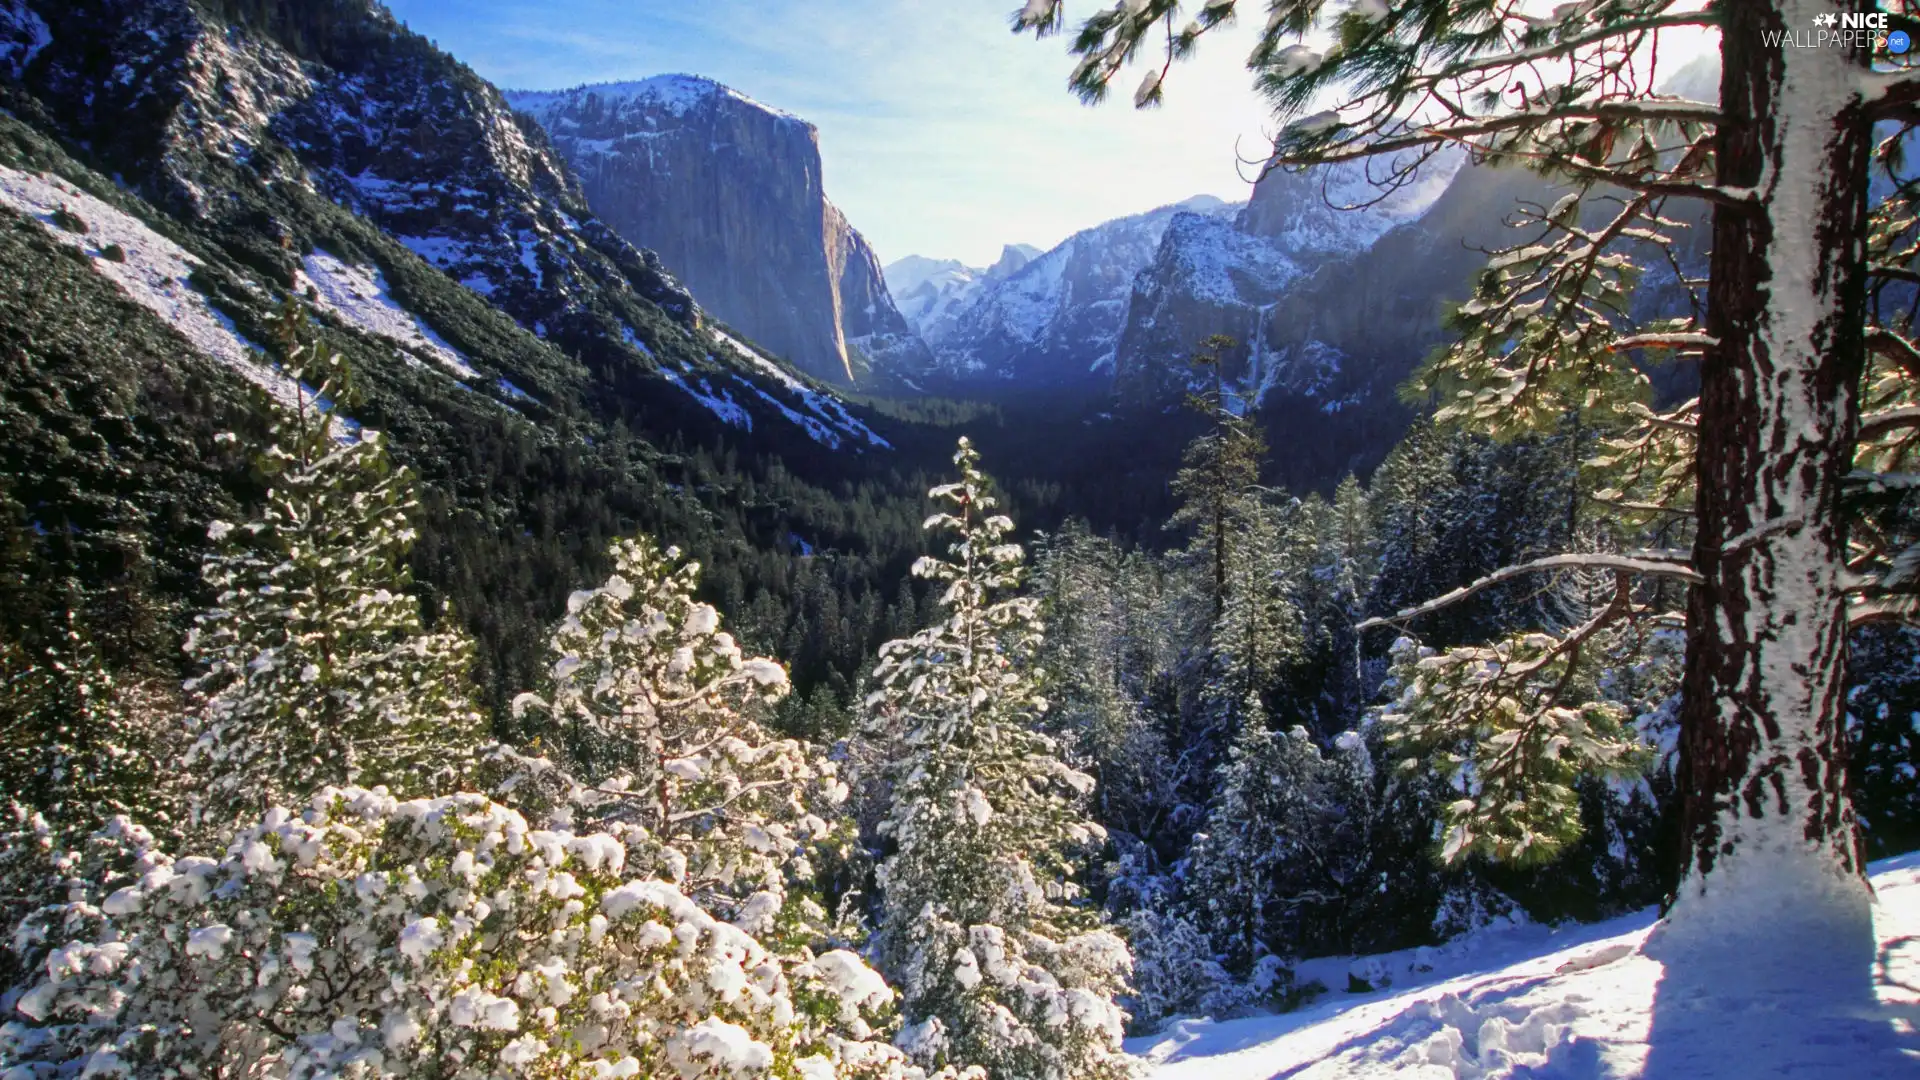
(1583, 1003)
(720, 403)
(152, 271)
(825, 406)
(358, 296)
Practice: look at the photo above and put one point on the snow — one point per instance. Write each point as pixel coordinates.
(26, 35)
(676, 95)
(154, 274)
(1614, 1000)
(720, 403)
(358, 296)
(833, 418)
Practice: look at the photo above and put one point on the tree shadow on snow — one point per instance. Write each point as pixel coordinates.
(1785, 1005)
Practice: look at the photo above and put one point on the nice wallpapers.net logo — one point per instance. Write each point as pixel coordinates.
(1870, 30)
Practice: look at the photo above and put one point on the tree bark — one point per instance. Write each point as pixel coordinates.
(1764, 694)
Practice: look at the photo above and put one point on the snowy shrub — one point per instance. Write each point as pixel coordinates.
(1174, 971)
(368, 936)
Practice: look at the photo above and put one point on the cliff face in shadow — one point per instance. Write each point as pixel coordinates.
(729, 192)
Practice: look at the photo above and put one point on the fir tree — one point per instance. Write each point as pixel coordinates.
(1218, 470)
(658, 717)
(1254, 865)
(985, 927)
(83, 744)
(318, 669)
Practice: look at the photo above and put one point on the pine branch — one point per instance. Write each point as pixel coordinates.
(1663, 564)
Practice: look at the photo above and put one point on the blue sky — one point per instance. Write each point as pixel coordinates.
(943, 134)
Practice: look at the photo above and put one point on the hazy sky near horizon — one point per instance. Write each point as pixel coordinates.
(942, 133)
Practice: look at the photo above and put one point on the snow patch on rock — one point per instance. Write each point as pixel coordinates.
(358, 296)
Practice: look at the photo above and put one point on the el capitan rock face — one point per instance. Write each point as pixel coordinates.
(729, 192)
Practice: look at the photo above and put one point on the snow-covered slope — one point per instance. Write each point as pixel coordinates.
(1610, 1001)
(932, 293)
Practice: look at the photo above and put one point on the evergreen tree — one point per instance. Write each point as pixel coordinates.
(1001, 960)
(81, 744)
(658, 717)
(1784, 154)
(1218, 470)
(318, 668)
(1255, 864)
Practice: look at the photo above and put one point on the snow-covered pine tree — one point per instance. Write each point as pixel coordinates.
(1105, 641)
(1219, 469)
(658, 718)
(1783, 160)
(1001, 961)
(318, 669)
(80, 744)
(1254, 865)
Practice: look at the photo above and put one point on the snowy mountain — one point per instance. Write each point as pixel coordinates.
(1214, 276)
(1056, 320)
(933, 292)
(730, 193)
(183, 170)
(1585, 1002)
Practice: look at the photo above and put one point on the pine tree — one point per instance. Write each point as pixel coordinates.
(658, 717)
(318, 669)
(985, 927)
(1784, 154)
(1218, 470)
(1253, 867)
(82, 744)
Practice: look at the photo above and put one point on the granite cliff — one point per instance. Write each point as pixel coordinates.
(730, 193)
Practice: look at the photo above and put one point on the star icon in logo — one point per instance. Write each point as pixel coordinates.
(1827, 19)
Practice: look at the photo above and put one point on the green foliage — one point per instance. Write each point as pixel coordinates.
(1507, 724)
(987, 825)
(318, 669)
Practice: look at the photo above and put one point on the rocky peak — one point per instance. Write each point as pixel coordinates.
(730, 193)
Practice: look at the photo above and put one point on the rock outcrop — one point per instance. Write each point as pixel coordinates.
(730, 193)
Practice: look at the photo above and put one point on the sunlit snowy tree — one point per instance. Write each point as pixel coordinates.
(1001, 961)
(1758, 461)
(317, 667)
(657, 717)
(361, 935)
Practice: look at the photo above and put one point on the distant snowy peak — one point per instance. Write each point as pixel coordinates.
(674, 95)
(1342, 209)
(1216, 274)
(1057, 316)
(932, 293)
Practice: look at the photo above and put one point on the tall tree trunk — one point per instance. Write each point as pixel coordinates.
(1763, 714)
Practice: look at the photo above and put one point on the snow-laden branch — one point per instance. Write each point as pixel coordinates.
(1879, 423)
(1676, 110)
(1656, 563)
(1665, 341)
(1894, 347)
